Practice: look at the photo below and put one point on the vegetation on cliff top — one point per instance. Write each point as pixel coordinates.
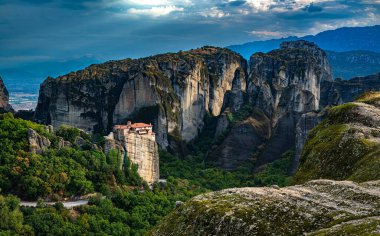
(345, 145)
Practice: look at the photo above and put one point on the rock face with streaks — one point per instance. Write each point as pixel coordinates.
(283, 85)
(319, 207)
(4, 98)
(172, 91)
(37, 143)
(138, 147)
(143, 151)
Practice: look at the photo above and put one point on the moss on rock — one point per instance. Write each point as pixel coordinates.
(295, 210)
(346, 145)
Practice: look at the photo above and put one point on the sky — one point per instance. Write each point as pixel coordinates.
(60, 30)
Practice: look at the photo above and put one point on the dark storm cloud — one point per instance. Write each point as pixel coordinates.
(313, 8)
(112, 29)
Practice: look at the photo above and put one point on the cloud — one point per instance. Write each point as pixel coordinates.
(312, 8)
(266, 34)
(67, 28)
(155, 11)
(236, 3)
(214, 12)
(157, 2)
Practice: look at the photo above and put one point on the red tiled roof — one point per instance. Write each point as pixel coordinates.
(140, 125)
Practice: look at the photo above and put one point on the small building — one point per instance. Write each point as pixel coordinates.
(122, 131)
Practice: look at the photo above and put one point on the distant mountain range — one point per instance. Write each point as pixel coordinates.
(354, 63)
(353, 51)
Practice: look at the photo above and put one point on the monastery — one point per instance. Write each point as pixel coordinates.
(137, 142)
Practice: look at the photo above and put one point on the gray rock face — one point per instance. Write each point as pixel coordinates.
(171, 91)
(4, 98)
(283, 84)
(244, 141)
(37, 143)
(342, 91)
(306, 123)
(319, 206)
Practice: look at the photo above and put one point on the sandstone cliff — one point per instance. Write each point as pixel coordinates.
(4, 98)
(172, 91)
(283, 85)
(319, 207)
(346, 145)
(136, 148)
(37, 142)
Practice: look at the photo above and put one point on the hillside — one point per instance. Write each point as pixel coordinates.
(346, 145)
(320, 207)
(40, 163)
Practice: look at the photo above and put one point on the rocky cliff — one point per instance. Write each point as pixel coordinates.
(172, 91)
(320, 207)
(283, 85)
(282, 92)
(4, 98)
(345, 145)
(143, 151)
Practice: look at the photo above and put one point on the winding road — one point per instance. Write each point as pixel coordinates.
(68, 205)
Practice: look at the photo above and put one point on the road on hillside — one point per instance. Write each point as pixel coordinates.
(67, 205)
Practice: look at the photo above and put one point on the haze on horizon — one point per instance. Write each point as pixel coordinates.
(59, 30)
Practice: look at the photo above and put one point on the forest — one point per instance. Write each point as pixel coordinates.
(121, 203)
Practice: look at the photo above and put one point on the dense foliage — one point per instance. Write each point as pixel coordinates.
(80, 167)
(57, 172)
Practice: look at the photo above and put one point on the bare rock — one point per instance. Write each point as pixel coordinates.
(37, 142)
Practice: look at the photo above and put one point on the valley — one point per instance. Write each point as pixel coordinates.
(195, 136)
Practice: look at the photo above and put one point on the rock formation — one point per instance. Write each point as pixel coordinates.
(172, 91)
(37, 143)
(284, 90)
(283, 85)
(342, 91)
(346, 145)
(4, 98)
(139, 146)
(319, 207)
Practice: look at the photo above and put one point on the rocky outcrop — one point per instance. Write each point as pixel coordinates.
(171, 91)
(314, 208)
(37, 142)
(306, 123)
(136, 148)
(283, 85)
(4, 98)
(346, 145)
(342, 91)
(245, 140)
(142, 150)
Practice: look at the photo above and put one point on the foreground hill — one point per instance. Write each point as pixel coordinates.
(320, 207)
(346, 145)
